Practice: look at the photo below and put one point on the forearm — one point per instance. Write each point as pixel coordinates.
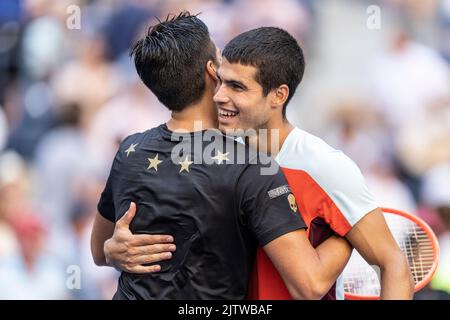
(102, 230)
(374, 241)
(98, 255)
(308, 273)
(396, 281)
(333, 255)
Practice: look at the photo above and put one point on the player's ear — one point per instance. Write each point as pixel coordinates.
(278, 96)
(211, 70)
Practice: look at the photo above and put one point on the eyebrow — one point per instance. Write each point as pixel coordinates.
(232, 82)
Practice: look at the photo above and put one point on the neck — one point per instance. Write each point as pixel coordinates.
(196, 117)
(276, 134)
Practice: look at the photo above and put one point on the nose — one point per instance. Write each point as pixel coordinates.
(220, 97)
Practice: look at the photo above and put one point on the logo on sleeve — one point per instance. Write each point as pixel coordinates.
(292, 202)
(275, 193)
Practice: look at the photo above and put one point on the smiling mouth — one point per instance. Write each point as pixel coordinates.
(227, 113)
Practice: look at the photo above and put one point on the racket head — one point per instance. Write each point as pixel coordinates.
(416, 240)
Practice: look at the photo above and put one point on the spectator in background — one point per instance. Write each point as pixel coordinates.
(61, 156)
(3, 129)
(30, 273)
(352, 126)
(90, 80)
(10, 16)
(436, 195)
(408, 83)
(221, 17)
(407, 79)
(126, 21)
(293, 16)
(424, 141)
(29, 97)
(444, 28)
(11, 168)
(41, 55)
(70, 178)
(95, 283)
(26, 271)
(134, 110)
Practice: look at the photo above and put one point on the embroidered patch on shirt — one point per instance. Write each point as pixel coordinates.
(274, 193)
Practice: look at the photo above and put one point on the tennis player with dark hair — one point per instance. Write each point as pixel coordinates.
(260, 72)
(217, 208)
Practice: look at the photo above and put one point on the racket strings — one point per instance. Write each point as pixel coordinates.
(419, 251)
(360, 278)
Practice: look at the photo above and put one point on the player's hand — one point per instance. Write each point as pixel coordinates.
(129, 252)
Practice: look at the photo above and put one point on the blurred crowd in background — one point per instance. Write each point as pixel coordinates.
(69, 95)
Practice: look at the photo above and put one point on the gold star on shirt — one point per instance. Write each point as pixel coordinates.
(185, 164)
(131, 148)
(220, 157)
(153, 163)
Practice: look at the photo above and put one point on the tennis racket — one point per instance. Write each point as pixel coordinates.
(416, 240)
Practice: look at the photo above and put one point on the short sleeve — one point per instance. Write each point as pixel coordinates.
(267, 203)
(346, 187)
(105, 205)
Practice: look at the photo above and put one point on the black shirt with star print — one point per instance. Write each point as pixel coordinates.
(212, 194)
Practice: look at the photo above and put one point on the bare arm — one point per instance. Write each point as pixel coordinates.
(103, 229)
(373, 240)
(114, 245)
(307, 272)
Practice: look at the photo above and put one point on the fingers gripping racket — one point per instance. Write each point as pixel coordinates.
(416, 240)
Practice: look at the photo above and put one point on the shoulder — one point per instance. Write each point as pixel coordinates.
(310, 158)
(138, 138)
(131, 139)
(329, 167)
